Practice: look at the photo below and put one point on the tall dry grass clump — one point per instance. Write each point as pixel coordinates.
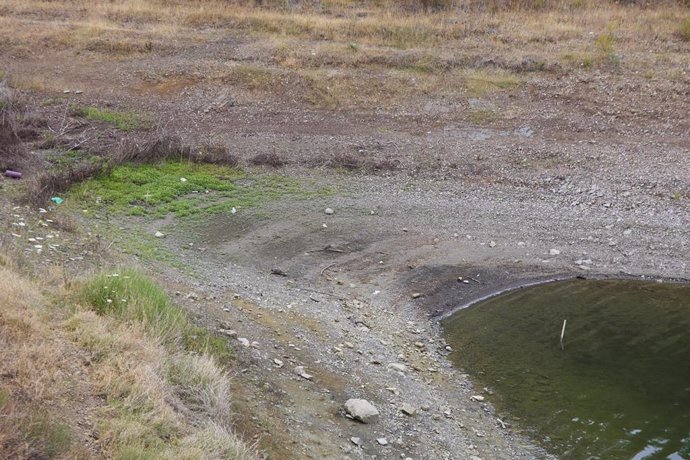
(13, 155)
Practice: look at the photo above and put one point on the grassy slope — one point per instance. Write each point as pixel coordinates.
(164, 394)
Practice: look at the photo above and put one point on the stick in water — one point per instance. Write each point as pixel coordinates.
(563, 332)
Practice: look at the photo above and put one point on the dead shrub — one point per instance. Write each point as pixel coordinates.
(12, 151)
(158, 148)
(165, 147)
(268, 159)
(215, 154)
(346, 161)
(46, 184)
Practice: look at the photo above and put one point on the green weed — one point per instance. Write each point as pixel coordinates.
(132, 296)
(183, 189)
(482, 116)
(4, 397)
(54, 438)
(122, 120)
(684, 30)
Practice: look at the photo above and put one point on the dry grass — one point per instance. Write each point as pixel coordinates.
(160, 402)
(36, 369)
(347, 55)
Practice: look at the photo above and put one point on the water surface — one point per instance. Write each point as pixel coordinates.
(619, 389)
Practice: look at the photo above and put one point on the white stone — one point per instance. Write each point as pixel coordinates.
(361, 410)
(398, 367)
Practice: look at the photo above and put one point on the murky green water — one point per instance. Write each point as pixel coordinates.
(620, 388)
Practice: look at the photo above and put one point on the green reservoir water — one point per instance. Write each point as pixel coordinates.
(620, 388)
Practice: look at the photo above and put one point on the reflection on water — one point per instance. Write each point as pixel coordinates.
(620, 388)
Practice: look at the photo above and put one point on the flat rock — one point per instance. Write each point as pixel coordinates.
(382, 441)
(299, 370)
(361, 410)
(398, 367)
(408, 409)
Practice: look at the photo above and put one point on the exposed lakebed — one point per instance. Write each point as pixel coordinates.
(619, 388)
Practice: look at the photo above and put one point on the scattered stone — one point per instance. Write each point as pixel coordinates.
(554, 252)
(583, 262)
(299, 370)
(243, 341)
(361, 410)
(159, 234)
(492, 244)
(408, 409)
(426, 408)
(329, 211)
(449, 348)
(416, 295)
(477, 398)
(229, 332)
(404, 229)
(277, 362)
(627, 232)
(419, 344)
(398, 367)
(356, 441)
(382, 441)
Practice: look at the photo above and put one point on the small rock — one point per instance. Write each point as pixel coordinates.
(299, 370)
(159, 234)
(408, 409)
(492, 244)
(229, 332)
(243, 341)
(419, 344)
(329, 211)
(277, 362)
(416, 295)
(361, 410)
(398, 367)
(183, 179)
(356, 441)
(382, 441)
(627, 232)
(554, 252)
(477, 398)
